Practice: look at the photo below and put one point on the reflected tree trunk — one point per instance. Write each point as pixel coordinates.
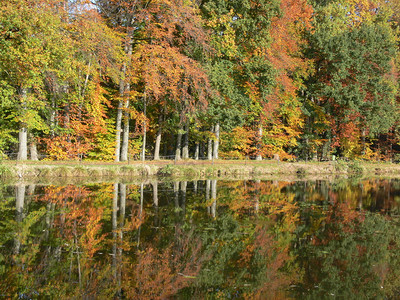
(258, 193)
(19, 212)
(208, 185)
(122, 188)
(114, 221)
(214, 198)
(155, 193)
(176, 193)
(183, 189)
(359, 204)
(195, 182)
(140, 211)
(155, 202)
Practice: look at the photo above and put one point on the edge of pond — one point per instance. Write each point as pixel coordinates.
(190, 170)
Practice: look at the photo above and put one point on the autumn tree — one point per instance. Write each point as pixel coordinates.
(351, 93)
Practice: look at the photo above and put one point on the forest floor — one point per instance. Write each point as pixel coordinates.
(191, 169)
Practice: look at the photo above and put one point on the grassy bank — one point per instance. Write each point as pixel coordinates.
(191, 169)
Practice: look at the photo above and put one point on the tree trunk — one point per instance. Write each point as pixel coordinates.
(178, 144)
(185, 150)
(122, 92)
(118, 131)
(158, 139)
(216, 141)
(259, 143)
(127, 89)
(125, 136)
(53, 117)
(23, 143)
(364, 147)
(144, 129)
(209, 146)
(23, 131)
(33, 150)
(197, 151)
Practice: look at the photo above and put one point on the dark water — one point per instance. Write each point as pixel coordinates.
(205, 239)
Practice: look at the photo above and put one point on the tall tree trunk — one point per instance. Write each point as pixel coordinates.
(209, 146)
(216, 141)
(53, 117)
(158, 138)
(122, 93)
(259, 143)
(125, 136)
(23, 143)
(143, 155)
(127, 89)
(23, 131)
(201, 149)
(178, 143)
(197, 151)
(185, 149)
(364, 147)
(118, 130)
(33, 149)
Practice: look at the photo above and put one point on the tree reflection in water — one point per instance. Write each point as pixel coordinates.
(202, 239)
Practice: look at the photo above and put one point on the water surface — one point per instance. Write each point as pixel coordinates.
(202, 239)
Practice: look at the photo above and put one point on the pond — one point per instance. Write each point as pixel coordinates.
(202, 239)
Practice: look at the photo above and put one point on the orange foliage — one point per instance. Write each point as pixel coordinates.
(160, 274)
(81, 129)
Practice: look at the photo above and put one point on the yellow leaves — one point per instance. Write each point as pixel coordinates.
(224, 39)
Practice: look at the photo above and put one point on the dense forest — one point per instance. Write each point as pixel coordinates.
(133, 79)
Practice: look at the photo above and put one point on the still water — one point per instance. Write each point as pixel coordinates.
(201, 239)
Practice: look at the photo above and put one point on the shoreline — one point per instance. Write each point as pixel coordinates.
(190, 169)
